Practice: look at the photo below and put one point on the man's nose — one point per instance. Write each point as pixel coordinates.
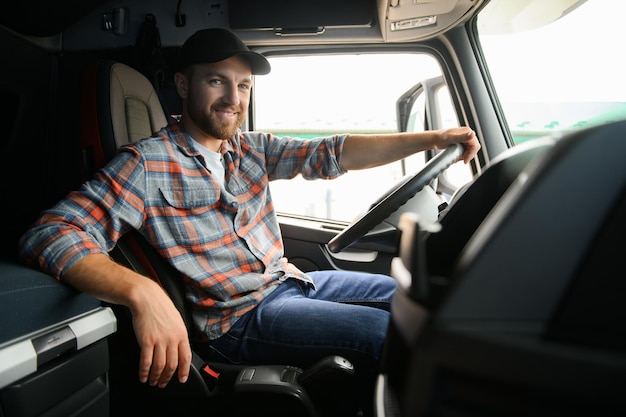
(231, 95)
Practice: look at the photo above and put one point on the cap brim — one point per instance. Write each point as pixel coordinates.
(258, 63)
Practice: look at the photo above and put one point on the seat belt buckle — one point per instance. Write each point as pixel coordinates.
(210, 376)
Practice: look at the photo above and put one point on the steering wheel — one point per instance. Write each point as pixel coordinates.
(395, 198)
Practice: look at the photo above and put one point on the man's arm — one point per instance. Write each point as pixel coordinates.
(366, 151)
(159, 327)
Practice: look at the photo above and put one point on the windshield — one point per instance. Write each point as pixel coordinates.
(560, 76)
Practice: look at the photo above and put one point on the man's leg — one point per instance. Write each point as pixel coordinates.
(346, 314)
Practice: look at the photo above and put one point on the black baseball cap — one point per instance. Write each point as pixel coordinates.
(217, 44)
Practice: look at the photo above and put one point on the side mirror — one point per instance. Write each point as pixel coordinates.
(416, 109)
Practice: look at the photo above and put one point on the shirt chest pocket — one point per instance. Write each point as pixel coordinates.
(189, 217)
(189, 201)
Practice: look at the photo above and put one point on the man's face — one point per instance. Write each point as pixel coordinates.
(218, 95)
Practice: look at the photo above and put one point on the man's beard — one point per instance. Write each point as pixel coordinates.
(212, 125)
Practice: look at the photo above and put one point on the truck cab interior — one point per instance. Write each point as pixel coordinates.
(510, 298)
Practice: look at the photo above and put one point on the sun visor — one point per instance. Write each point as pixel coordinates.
(409, 20)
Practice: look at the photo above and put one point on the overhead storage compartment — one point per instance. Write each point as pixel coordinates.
(300, 16)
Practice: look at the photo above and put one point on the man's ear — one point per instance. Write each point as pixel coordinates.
(181, 84)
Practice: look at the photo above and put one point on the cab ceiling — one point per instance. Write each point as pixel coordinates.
(257, 22)
(44, 18)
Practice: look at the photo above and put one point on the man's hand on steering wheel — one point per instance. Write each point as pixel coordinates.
(463, 135)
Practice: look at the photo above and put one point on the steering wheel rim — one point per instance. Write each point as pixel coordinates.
(396, 198)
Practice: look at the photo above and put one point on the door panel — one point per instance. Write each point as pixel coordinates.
(305, 246)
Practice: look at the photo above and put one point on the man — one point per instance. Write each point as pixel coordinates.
(198, 191)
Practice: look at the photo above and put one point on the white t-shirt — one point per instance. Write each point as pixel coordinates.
(214, 163)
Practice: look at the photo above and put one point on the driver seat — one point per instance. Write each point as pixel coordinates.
(120, 106)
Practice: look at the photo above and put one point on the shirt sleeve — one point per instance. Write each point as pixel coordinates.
(89, 220)
(316, 158)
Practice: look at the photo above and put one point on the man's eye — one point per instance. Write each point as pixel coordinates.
(215, 82)
(244, 86)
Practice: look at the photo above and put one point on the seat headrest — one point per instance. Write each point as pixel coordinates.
(119, 105)
(136, 111)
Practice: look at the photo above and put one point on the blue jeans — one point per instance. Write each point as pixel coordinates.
(347, 314)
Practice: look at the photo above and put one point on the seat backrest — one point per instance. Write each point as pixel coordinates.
(119, 106)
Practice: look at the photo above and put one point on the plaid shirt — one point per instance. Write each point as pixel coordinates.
(225, 242)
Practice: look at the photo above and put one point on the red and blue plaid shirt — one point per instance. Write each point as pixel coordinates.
(225, 242)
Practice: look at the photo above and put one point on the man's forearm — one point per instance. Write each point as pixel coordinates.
(366, 151)
(100, 276)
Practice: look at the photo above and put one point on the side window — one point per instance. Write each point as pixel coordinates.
(310, 96)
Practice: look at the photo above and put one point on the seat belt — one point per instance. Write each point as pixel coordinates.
(151, 61)
(149, 55)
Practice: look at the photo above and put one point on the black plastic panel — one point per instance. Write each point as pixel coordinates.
(254, 14)
(70, 386)
(33, 18)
